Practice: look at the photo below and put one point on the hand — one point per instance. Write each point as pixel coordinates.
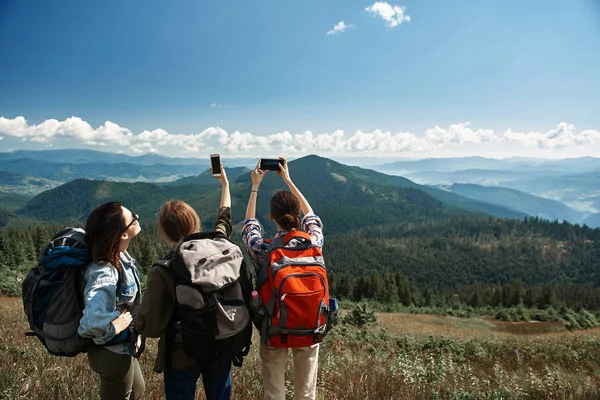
(222, 177)
(284, 170)
(257, 175)
(138, 342)
(122, 322)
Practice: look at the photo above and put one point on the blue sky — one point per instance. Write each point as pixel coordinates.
(197, 72)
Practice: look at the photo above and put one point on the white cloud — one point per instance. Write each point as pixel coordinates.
(143, 148)
(393, 15)
(340, 27)
(459, 138)
(72, 128)
(459, 133)
(564, 135)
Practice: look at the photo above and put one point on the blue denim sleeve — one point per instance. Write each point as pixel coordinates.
(100, 299)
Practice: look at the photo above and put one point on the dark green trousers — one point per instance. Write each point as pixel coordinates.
(120, 374)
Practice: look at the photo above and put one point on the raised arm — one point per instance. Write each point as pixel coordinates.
(285, 174)
(225, 195)
(257, 176)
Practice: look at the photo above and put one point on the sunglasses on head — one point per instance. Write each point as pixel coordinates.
(135, 218)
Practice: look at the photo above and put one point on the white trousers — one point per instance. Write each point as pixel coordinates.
(306, 366)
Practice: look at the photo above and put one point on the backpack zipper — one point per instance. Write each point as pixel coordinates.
(283, 295)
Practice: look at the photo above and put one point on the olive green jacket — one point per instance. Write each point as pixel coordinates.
(159, 302)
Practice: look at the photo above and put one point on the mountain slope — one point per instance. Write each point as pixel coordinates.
(579, 164)
(84, 156)
(65, 172)
(347, 197)
(593, 220)
(312, 166)
(517, 200)
(73, 201)
(24, 184)
(206, 178)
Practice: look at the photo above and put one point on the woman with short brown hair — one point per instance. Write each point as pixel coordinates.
(176, 220)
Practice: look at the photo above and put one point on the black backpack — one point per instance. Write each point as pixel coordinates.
(53, 293)
(213, 287)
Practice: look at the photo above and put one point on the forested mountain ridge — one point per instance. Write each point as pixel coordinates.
(65, 172)
(206, 178)
(386, 238)
(350, 197)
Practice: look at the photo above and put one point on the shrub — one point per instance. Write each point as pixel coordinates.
(360, 316)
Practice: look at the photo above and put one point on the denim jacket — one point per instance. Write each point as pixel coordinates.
(103, 302)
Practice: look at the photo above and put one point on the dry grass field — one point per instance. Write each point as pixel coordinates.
(404, 357)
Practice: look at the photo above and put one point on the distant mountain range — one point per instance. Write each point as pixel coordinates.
(575, 182)
(351, 196)
(580, 164)
(517, 200)
(437, 236)
(84, 156)
(206, 178)
(566, 189)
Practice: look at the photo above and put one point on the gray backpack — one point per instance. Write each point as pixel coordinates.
(213, 287)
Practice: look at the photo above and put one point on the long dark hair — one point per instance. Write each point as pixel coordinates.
(103, 228)
(285, 209)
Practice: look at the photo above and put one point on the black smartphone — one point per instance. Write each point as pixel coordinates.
(215, 163)
(270, 164)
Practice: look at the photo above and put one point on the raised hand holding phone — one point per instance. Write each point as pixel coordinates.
(215, 164)
(269, 164)
(283, 170)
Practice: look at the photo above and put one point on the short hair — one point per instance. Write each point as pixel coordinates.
(176, 220)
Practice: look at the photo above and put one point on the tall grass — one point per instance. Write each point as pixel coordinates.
(402, 357)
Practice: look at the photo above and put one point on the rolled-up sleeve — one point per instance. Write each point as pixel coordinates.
(255, 244)
(223, 221)
(313, 225)
(100, 304)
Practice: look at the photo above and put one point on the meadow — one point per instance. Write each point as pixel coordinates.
(402, 356)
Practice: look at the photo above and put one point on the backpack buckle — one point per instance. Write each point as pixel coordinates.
(284, 338)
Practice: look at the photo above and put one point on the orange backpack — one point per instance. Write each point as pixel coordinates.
(294, 292)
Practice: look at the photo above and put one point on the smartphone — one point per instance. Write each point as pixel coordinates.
(270, 164)
(215, 163)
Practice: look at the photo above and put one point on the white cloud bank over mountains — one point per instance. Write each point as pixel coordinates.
(457, 139)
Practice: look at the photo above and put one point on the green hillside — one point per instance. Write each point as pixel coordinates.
(206, 178)
(65, 172)
(383, 235)
(73, 201)
(13, 201)
(352, 197)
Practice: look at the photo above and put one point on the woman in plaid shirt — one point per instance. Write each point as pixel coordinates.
(285, 209)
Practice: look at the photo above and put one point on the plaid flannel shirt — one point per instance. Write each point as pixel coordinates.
(259, 249)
